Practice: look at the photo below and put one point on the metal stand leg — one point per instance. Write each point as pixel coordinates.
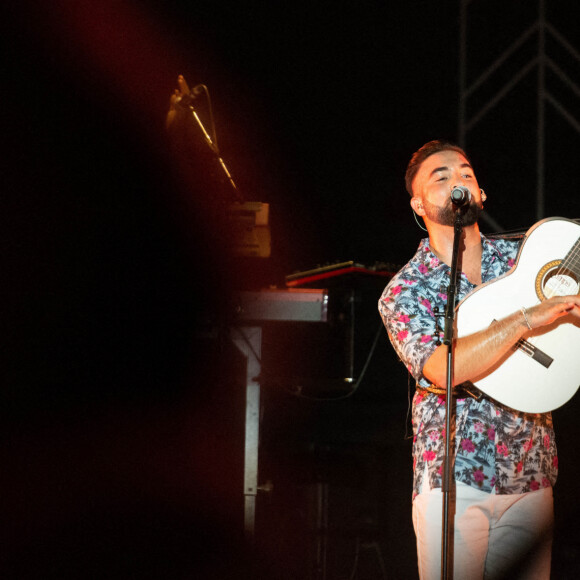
(249, 342)
(321, 529)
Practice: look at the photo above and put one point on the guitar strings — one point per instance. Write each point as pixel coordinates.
(567, 264)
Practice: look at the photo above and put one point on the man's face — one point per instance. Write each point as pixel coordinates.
(432, 186)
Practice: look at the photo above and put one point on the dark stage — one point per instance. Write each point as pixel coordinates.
(123, 394)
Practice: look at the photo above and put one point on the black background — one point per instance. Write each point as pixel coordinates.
(122, 414)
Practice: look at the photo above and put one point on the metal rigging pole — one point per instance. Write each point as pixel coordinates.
(541, 29)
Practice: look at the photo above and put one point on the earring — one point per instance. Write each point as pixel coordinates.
(483, 196)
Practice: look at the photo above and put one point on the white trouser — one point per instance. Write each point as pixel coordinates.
(495, 536)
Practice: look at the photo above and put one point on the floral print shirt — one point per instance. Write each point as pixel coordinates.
(497, 449)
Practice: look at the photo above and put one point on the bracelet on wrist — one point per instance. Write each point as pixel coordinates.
(525, 315)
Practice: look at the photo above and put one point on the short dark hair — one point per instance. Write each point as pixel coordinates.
(426, 151)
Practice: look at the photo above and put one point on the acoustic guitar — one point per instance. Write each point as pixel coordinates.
(542, 372)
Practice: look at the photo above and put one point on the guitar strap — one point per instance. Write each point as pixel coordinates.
(461, 391)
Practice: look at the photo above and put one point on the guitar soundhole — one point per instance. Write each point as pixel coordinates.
(554, 280)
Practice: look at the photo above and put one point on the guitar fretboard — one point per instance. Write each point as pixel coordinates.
(572, 259)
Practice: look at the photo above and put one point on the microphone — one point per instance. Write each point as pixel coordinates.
(186, 100)
(460, 195)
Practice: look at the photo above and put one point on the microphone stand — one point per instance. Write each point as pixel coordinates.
(448, 339)
(186, 103)
(213, 146)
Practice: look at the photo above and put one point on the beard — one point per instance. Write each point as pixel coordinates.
(445, 216)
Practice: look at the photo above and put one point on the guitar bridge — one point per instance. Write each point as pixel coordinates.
(534, 352)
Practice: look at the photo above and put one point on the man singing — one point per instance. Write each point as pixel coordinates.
(505, 461)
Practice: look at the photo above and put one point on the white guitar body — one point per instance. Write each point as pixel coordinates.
(544, 373)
